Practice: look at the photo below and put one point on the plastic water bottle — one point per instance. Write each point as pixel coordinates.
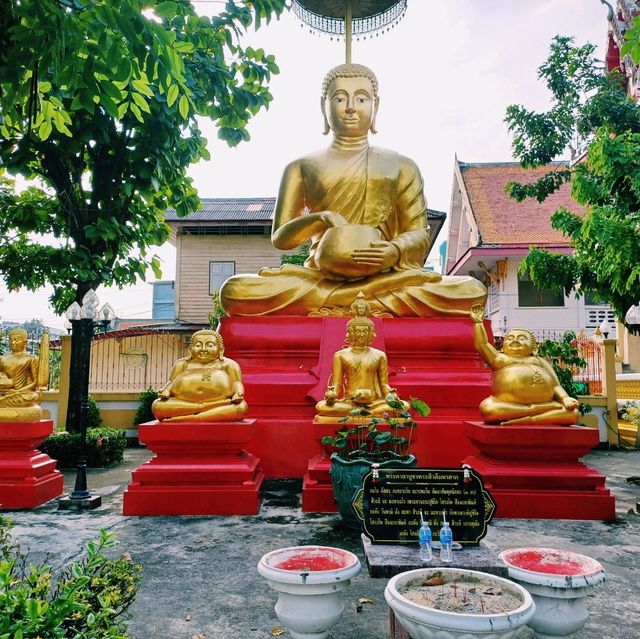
(424, 536)
(446, 540)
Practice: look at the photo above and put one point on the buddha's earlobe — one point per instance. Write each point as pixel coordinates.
(327, 128)
(372, 128)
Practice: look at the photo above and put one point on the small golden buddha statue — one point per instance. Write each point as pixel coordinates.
(363, 211)
(22, 378)
(205, 386)
(525, 389)
(360, 373)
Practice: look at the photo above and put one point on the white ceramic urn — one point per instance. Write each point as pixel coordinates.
(423, 622)
(309, 581)
(558, 581)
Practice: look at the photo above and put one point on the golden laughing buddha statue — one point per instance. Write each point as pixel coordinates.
(205, 386)
(525, 389)
(364, 213)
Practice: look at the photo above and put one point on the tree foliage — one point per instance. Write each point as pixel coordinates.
(605, 238)
(99, 101)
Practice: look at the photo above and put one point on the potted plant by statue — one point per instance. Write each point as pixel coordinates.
(375, 426)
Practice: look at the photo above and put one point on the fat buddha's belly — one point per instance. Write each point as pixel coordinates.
(202, 386)
(523, 384)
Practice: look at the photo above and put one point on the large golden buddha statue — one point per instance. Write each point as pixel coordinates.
(22, 378)
(364, 213)
(360, 373)
(205, 386)
(525, 389)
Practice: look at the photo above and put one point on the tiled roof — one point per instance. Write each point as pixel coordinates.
(501, 220)
(232, 209)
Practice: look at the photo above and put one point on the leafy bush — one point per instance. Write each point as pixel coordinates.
(564, 357)
(144, 414)
(105, 447)
(364, 436)
(216, 315)
(90, 599)
(298, 258)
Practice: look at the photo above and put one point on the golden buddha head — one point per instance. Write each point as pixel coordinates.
(361, 331)
(18, 339)
(349, 100)
(519, 342)
(206, 346)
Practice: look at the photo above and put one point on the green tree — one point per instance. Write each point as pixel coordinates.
(99, 101)
(606, 182)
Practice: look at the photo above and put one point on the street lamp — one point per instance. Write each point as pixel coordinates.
(83, 320)
(632, 318)
(605, 328)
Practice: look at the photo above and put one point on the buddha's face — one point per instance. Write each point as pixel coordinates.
(519, 343)
(17, 342)
(204, 349)
(360, 335)
(350, 106)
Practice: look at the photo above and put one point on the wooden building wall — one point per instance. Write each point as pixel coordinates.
(194, 252)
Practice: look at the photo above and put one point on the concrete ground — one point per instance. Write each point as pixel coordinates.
(200, 579)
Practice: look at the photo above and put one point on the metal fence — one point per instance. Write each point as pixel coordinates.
(134, 363)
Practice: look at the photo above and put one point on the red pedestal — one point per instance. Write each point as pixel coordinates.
(28, 477)
(286, 363)
(200, 468)
(534, 472)
(317, 490)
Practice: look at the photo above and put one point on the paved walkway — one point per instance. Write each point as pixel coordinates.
(200, 575)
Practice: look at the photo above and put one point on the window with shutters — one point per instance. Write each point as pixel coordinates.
(218, 273)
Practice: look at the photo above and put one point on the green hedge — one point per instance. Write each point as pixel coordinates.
(105, 447)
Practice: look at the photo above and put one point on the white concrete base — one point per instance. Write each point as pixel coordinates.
(309, 598)
(559, 598)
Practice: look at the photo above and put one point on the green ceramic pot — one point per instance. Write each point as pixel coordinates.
(347, 476)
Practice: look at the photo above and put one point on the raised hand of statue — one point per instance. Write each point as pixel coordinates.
(477, 313)
(381, 254)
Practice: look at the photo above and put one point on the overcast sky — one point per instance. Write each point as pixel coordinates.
(447, 72)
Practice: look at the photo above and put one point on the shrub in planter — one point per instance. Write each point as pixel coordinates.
(89, 599)
(144, 413)
(105, 447)
(363, 440)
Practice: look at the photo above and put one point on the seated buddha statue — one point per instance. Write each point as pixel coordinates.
(363, 212)
(205, 386)
(525, 389)
(22, 377)
(360, 373)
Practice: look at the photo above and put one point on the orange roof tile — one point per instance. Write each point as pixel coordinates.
(501, 219)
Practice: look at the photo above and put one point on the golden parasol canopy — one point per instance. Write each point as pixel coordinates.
(347, 17)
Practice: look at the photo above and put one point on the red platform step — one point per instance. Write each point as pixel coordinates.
(286, 363)
(28, 477)
(200, 468)
(534, 472)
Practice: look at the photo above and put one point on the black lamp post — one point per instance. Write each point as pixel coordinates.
(83, 321)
